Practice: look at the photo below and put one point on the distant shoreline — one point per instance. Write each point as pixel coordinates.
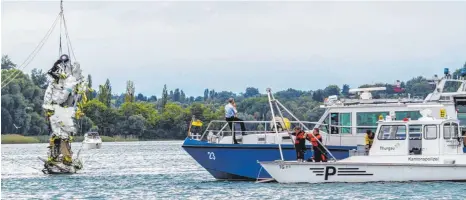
(21, 139)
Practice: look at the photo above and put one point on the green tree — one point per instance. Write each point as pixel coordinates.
(331, 90)
(176, 95)
(345, 90)
(206, 94)
(7, 63)
(39, 78)
(135, 125)
(152, 98)
(84, 125)
(251, 92)
(182, 97)
(129, 91)
(318, 95)
(105, 93)
(164, 98)
(141, 97)
(89, 94)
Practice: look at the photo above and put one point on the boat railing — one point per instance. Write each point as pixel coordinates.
(220, 128)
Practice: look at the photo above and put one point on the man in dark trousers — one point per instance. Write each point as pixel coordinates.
(230, 116)
(299, 143)
(319, 152)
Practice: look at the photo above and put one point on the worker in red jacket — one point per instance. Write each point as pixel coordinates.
(319, 152)
(299, 143)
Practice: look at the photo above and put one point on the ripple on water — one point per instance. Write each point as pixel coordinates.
(162, 170)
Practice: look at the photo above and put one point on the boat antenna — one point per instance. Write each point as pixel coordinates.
(269, 92)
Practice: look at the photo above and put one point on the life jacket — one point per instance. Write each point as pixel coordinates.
(314, 140)
(299, 137)
(369, 139)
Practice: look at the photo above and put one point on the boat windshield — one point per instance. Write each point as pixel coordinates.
(93, 135)
(392, 132)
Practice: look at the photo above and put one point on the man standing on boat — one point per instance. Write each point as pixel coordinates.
(316, 141)
(230, 117)
(300, 143)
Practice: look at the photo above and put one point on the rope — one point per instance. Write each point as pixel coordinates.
(68, 38)
(31, 56)
(61, 24)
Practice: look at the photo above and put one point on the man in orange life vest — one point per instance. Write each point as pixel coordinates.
(299, 143)
(319, 152)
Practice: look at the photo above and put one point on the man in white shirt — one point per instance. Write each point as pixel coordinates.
(230, 117)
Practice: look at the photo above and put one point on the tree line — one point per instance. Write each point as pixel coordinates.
(166, 117)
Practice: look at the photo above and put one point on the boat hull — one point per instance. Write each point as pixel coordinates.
(287, 172)
(240, 161)
(92, 145)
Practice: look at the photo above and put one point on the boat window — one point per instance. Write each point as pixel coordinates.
(451, 86)
(462, 117)
(334, 119)
(415, 132)
(368, 120)
(450, 131)
(392, 132)
(414, 115)
(325, 125)
(340, 123)
(345, 120)
(461, 111)
(430, 132)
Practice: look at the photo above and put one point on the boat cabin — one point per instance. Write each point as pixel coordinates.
(346, 121)
(426, 136)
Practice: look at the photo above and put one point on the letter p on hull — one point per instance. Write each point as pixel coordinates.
(330, 171)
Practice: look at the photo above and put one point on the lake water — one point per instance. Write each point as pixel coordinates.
(163, 170)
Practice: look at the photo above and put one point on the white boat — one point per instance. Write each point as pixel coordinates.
(92, 140)
(346, 121)
(343, 126)
(427, 149)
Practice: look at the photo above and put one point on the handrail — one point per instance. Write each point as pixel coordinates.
(269, 121)
(266, 124)
(246, 122)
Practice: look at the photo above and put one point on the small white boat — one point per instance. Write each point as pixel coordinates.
(427, 149)
(92, 140)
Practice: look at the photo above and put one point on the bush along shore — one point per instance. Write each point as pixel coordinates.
(21, 139)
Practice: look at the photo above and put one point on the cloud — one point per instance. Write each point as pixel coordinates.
(231, 45)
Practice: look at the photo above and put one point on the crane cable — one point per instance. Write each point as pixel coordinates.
(61, 22)
(68, 39)
(31, 56)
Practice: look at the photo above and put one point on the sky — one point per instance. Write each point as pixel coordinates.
(228, 46)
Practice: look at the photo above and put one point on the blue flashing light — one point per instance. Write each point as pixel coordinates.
(446, 71)
(463, 72)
